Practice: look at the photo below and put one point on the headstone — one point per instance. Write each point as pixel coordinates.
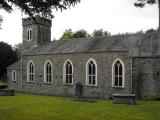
(79, 89)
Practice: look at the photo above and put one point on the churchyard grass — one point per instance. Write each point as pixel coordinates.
(25, 106)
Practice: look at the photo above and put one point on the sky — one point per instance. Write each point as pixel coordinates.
(115, 16)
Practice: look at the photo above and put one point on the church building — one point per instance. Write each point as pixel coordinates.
(121, 64)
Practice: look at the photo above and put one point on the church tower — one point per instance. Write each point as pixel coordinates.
(35, 31)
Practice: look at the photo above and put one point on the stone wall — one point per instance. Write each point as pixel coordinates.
(104, 62)
(146, 76)
(16, 85)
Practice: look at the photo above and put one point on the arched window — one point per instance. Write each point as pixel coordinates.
(91, 73)
(13, 75)
(48, 72)
(68, 72)
(30, 72)
(118, 73)
(29, 34)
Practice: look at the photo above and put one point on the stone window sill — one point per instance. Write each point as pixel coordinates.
(68, 84)
(118, 87)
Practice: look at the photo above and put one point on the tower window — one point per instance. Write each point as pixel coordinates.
(29, 34)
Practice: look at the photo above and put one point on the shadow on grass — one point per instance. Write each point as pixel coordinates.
(85, 100)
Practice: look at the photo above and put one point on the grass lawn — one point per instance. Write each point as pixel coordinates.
(24, 106)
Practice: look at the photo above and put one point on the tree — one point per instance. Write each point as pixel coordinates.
(17, 49)
(80, 33)
(106, 33)
(1, 20)
(67, 34)
(7, 57)
(150, 30)
(41, 8)
(37, 7)
(142, 3)
(100, 32)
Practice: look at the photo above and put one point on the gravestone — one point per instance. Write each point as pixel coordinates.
(79, 90)
(6, 92)
(124, 98)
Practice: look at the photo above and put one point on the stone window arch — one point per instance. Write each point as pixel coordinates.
(48, 72)
(118, 73)
(30, 72)
(91, 72)
(29, 34)
(68, 72)
(13, 75)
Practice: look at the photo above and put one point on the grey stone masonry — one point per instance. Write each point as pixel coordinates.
(146, 76)
(104, 62)
(41, 31)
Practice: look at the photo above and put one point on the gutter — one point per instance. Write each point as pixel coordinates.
(21, 72)
(132, 91)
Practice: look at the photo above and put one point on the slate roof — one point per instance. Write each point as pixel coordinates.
(136, 45)
(16, 65)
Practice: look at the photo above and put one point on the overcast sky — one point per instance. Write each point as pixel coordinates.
(115, 16)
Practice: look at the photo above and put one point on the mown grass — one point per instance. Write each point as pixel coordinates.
(26, 106)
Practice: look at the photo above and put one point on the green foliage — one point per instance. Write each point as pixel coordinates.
(100, 32)
(79, 34)
(37, 7)
(150, 31)
(67, 34)
(1, 20)
(7, 57)
(17, 49)
(142, 3)
(3, 86)
(37, 107)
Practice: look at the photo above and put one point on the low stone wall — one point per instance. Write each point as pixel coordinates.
(6, 92)
(124, 98)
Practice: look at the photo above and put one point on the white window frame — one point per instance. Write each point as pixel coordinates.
(113, 74)
(45, 74)
(14, 75)
(87, 73)
(29, 34)
(64, 72)
(28, 71)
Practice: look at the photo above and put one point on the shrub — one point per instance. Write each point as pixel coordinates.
(3, 86)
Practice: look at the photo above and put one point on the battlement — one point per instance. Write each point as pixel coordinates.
(37, 20)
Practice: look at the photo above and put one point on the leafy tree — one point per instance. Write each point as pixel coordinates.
(37, 7)
(67, 34)
(7, 57)
(98, 32)
(41, 8)
(17, 49)
(142, 3)
(80, 33)
(150, 30)
(1, 20)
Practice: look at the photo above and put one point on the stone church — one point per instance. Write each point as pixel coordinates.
(103, 65)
